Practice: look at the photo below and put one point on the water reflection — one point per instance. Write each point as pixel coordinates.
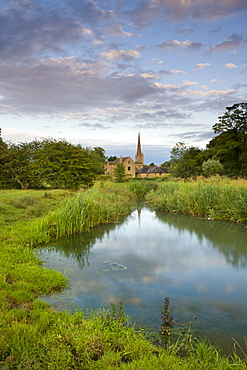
(229, 238)
(199, 264)
(78, 247)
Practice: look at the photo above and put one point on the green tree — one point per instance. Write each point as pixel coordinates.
(212, 167)
(100, 157)
(230, 146)
(185, 161)
(112, 158)
(19, 164)
(57, 164)
(5, 177)
(165, 164)
(119, 172)
(63, 165)
(101, 152)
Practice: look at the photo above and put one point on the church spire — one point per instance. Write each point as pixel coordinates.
(139, 155)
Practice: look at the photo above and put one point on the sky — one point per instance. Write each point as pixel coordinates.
(96, 73)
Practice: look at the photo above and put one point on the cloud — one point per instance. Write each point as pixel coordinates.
(154, 60)
(189, 83)
(185, 30)
(194, 136)
(230, 65)
(31, 30)
(201, 66)
(216, 30)
(90, 12)
(232, 42)
(177, 10)
(116, 30)
(185, 45)
(126, 55)
(209, 92)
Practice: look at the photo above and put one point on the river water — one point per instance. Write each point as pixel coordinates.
(201, 265)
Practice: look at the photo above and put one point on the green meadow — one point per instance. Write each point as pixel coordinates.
(35, 336)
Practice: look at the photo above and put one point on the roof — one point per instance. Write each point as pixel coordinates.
(154, 169)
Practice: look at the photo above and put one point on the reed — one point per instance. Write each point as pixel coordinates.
(104, 203)
(215, 198)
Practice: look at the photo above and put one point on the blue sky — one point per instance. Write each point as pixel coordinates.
(98, 72)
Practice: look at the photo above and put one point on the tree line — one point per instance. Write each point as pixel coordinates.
(225, 154)
(60, 164)
(49, 163)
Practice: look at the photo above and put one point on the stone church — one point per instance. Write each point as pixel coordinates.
(136, 168)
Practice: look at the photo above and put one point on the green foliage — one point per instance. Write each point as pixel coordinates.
(111, 158)
(167, 325)
(141, 188)
(5, 178)
(18, 162)
(230, 146)
(50, 163)
(235, 118)
(227, 150)
(165, 164)
(216, 199)
(99, 154)
(212, 167)
(185, 161)
(105, 202)
(26, 205)
(119, 172)
(63, 165)
(175, 336)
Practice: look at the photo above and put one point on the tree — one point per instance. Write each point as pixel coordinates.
(185, 161)
(165, 164)
(60, 164)
(178, 151)
(112, 158)
(19, 164)
(57, 164)
(119, 172)
(5, 177)
(212, 167)
(230, 146)
(101, 152)
(234, 119)
(100, 157)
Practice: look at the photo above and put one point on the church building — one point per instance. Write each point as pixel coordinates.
(137, 168)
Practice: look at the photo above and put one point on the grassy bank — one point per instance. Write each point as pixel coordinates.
(32, 334)
(215, 198)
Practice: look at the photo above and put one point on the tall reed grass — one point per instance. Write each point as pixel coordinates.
(214, 198)
(104, 203)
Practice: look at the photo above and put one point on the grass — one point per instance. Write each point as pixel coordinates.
(32, 334)
(214, 198)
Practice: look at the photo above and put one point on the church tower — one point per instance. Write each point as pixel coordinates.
(139, 155)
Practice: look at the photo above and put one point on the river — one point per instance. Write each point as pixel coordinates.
(201, 265)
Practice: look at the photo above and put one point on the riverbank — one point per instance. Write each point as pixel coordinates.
(33, 336)
(214, 198)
